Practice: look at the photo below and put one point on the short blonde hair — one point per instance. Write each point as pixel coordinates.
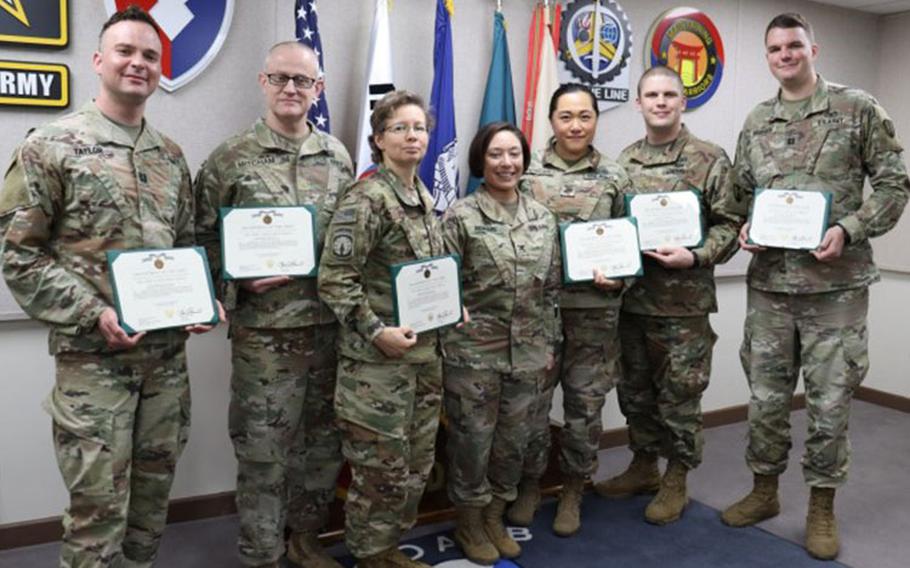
(383, 111)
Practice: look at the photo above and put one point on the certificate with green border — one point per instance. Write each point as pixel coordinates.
(161, 288)
(789, 219)
(258, 242)
(610, 246)
(670, 218)
(426, 293)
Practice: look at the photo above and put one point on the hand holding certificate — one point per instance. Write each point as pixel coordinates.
(427, 293)
(610, 246)
(783, 218)
(671, 219)
(258, 242)
(158, 289)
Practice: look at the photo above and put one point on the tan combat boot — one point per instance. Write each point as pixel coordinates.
(472, 538)
(667, 506)
(496, 530)
(390, 558)
(760, 504)
(521, 512)
(304, 550)
(642, 476)
(821, 526)
(568, 512)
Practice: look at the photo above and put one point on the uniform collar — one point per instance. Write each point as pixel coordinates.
(648, 155)
(551, 159)
(423, 197)
(817, 103)
(315, 143)
(106, 130)
(494, 211)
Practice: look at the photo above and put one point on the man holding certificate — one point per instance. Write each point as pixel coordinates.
(681, 197)
(807, 309)
(265, 183)
(92, 182)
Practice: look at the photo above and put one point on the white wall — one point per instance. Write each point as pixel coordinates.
(225, 99)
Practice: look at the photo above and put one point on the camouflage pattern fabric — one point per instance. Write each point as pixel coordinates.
(830, 145)
(283, 428)
(120, 421)
(686, 164)
(666, 364)
(825, 335)
(389, 466)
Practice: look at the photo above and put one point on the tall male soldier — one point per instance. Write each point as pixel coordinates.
(666, 338)
(100, 179)
(282, 421)
(807, 310)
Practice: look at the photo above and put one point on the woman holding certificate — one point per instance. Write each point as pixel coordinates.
(496, 364)
(389, 388)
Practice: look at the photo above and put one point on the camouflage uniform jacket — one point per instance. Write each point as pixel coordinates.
(588, 190)
(78, 187)
(510, 277)
(687, 163)
(378, 223)
(841, 136)
(261, 167)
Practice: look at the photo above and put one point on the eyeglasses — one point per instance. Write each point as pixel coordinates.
(300, 81)
(401, 128)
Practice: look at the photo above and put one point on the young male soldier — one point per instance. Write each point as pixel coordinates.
(807, 310)
(96, 180)
(282, 421)
(666, 338)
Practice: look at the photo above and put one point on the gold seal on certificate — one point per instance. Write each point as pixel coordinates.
(790, 219)
(257, 242)
(157, 289)
(427, 293)
(610, 246)
(667, 219)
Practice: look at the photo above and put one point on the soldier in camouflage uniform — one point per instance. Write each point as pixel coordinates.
(495, 365)
(389, 392)
(667, 340)
(282, 337)
(97, 180)
(578, 184)
(807, 310)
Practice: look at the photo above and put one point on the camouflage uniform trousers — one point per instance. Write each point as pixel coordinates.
(666, 364)
(588, 366)
(825, 335)
(487, 413)
(120, 422)
(390, 462)
(282, 424)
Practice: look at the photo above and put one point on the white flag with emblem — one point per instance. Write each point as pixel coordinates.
(379, 81)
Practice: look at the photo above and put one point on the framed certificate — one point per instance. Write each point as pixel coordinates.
(158, 289)
(790, 219)
(257, 242)
(667, 219)
(426, 293)
(610, 246)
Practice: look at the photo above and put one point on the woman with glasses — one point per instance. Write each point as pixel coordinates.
(495, 364)
(389, 386)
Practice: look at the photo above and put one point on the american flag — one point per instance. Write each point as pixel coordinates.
(306, 17)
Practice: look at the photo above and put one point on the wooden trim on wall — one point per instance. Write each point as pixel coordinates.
(882, 398)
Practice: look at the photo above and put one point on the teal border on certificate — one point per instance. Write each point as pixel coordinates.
(396, 268)
(828, 198)
(314, 212)
(562, 249)
(699, 196)
(112, 256)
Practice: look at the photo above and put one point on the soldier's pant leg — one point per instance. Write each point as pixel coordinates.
(641, 361)
(590, 368)
(422, 430)
(770, 355)
(537, 453)
(518, 392)
(835, 359)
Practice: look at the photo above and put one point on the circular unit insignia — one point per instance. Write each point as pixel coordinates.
(685, 39)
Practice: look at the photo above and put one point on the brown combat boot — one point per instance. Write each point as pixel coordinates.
(568, 512)
(472, 538)
(304, 550)
(760, 504)
(496, 530)
(642, 476)
(821, 526)
(390, 558)
(521, 511)
(667, 506)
